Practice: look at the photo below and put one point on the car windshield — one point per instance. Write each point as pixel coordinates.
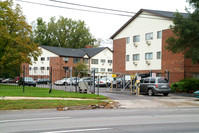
(162, 80)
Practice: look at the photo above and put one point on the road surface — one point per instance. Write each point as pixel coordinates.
(145, 120)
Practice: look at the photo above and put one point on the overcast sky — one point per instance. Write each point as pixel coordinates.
(101, 25)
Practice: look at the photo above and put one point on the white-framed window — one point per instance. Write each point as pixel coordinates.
(158, 55)
(102, 69)
(109, 70)
(127, 40)
(47, 68)
(159, 34)
(96, 70)
(42, 58)
(76, 60)
(48, 58)
(94, 61)
(103, 61)
(30, 68)
(35, 68)
(149, 56)
(136, 57)
(110, 61)
(149, 36)
(42, 68)
(136, 38)
(127, 57)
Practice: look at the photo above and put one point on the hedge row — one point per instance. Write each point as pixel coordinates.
(186, 85)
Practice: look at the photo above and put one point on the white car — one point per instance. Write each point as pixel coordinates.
(104, 81)
(61, 82)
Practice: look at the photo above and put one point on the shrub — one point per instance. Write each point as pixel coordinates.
(185, 85)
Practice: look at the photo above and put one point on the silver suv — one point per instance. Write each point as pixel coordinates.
(155, 85)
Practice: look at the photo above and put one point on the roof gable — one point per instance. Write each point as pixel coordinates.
(166, 14)
(71, 52)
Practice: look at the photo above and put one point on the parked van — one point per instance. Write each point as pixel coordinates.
(155, 85)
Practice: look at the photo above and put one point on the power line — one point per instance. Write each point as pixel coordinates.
(92, 7)
(73, 8)
(90, 10)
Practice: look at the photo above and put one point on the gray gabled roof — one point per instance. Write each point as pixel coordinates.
(165, 14)
(71, 52)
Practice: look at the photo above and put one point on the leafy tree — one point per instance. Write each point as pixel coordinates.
(15, 44)
(63, 33)
(186, 33)
(82, 68)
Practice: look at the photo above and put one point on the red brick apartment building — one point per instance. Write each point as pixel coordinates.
(62, 59)
(139, 46)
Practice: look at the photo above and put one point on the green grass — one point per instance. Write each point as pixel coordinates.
(9, 90)
(43, 104)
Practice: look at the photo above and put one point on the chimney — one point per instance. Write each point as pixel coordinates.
(89, 46)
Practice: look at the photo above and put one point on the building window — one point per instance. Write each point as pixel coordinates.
(94, 61)
(86, 61)
(102, 69)
(159, 34)
(35, 68)
(66, 68)
(65, 58)
(30, 68)
(42, 58)
(48, 58)
(127, 57)
(158, 55)
(110, 61)
(195, 75)
(127, 40)
(103, 61)
(136, 38)
(109, 70)
(76, 60)
(136, 57)
(148, 56)
(96, 70)
(149, 36)
(47, 68)
(42, 68)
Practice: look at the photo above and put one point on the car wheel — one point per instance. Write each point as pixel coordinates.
(150, 92)
(165, 94)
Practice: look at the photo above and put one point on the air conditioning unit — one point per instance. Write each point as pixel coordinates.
(102, 63)
(148, 42)
(42, 71)
(148, 62)
(42, 62)
(35, 71)
(109, 64)
(135, 44)
(135, 63)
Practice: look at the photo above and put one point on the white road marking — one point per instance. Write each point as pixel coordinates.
(33, 119)
(78, 130)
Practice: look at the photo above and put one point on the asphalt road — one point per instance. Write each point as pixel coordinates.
(168, 120)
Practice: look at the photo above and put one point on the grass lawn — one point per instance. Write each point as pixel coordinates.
(9, 90)
(43, 104)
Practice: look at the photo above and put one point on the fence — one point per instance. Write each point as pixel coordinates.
(59, 79)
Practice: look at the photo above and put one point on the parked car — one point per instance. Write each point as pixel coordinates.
(1, 80)
(43, 81)
(61, 82)
(74, 80)
(155, 85)
(27, 81)
(89, 80)
(196, 94)
(104, 81)
(16, 80)
(8, 80)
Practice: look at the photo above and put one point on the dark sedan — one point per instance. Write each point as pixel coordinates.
(27, 81)
(43, 81)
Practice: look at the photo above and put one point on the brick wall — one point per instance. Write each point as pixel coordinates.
(119, 53)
